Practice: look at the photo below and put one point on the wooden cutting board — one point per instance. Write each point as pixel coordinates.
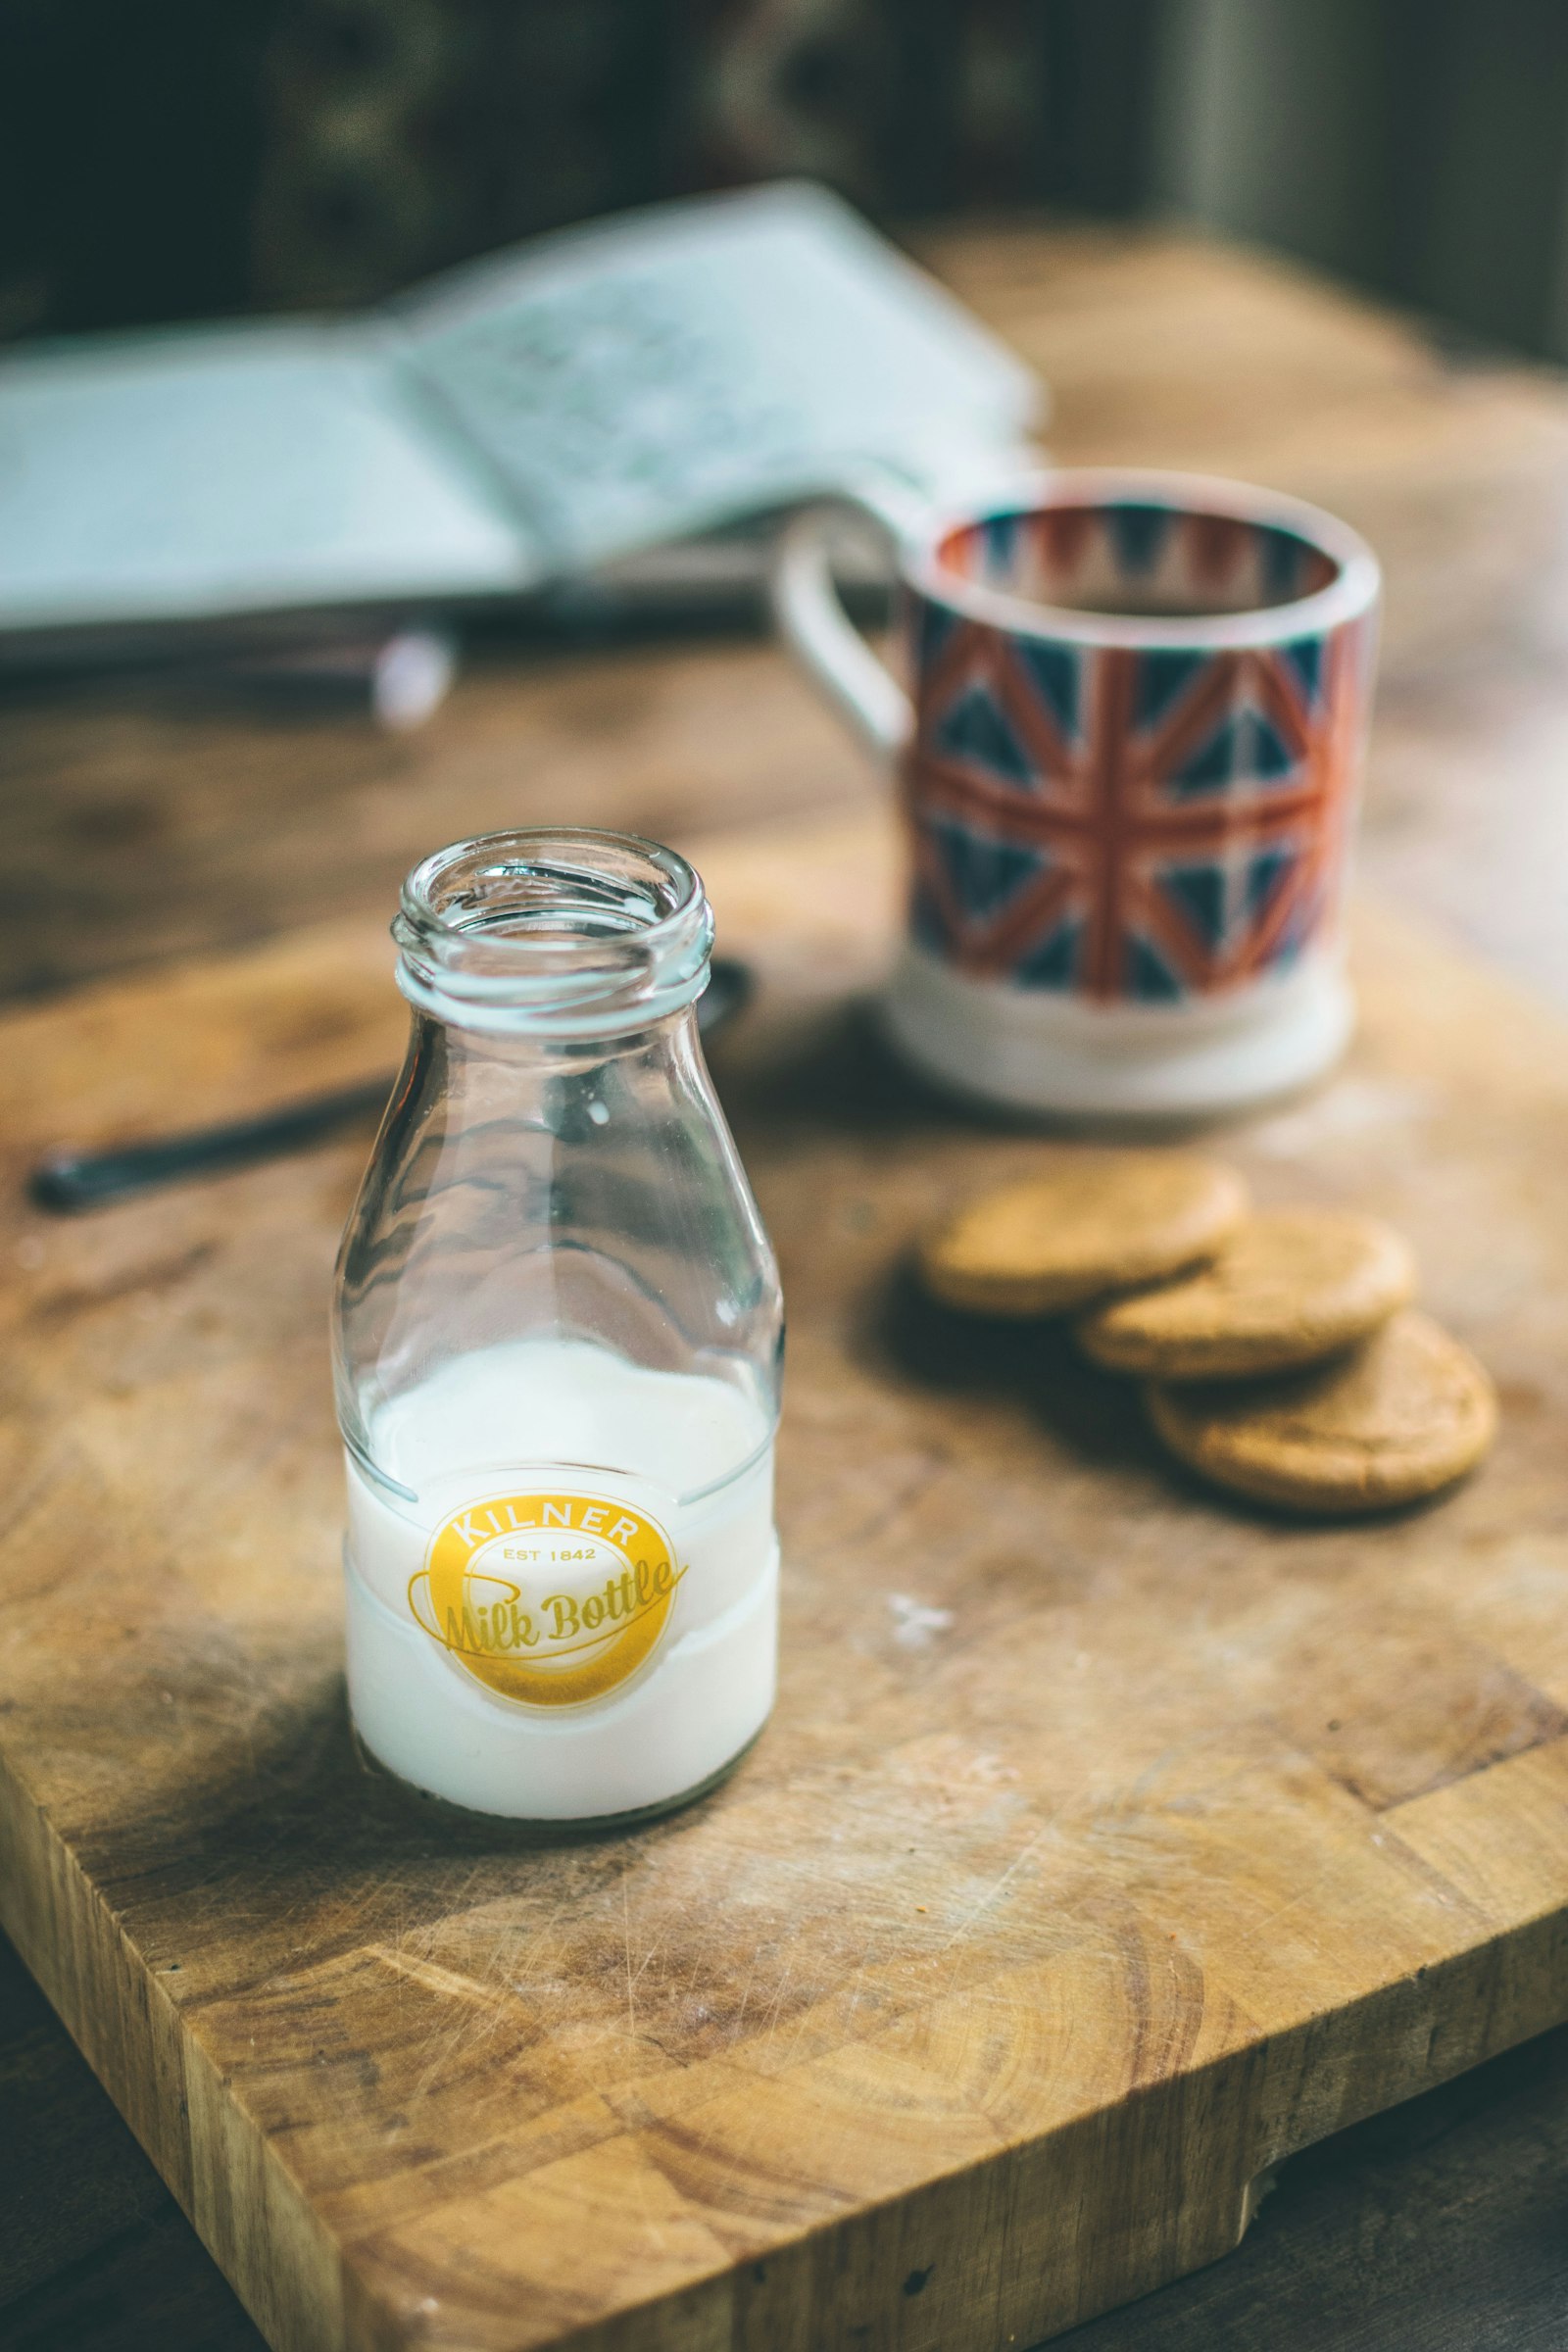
(1107, 1844)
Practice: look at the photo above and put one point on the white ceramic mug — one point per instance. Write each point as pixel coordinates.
(1129, 758)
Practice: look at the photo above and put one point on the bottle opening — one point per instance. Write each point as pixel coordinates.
(559, 932)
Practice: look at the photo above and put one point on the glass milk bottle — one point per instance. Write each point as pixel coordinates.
(558, 1347)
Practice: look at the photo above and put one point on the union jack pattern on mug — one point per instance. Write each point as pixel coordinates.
(1129, 824)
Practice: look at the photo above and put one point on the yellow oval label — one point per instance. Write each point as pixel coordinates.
(547, 1599)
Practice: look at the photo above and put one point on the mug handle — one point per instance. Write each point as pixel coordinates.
(820, 634)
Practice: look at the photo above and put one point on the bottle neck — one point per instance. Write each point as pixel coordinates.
(533, 1050)
(558, 938)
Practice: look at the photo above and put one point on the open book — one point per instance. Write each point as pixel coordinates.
(525, 421)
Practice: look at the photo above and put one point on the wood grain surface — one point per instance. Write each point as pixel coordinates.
(1108, 1843)
(1438, 2225)
(145, 819)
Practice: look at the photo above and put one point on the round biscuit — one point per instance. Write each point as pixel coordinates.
(1291, 1287)
(1402, 1416)
(1092, 1223)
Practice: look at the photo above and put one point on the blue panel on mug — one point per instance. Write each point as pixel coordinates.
(1305, 659)
(1055, 671)
(977, 729)
(1054, 964)
(1150, 977)
(1264, 874)
(985, 872)
(1201, 891)
(1162, 678)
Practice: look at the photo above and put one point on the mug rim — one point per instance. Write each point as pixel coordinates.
(1351, 594)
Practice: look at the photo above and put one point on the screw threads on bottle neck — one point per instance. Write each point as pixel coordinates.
(553, 932)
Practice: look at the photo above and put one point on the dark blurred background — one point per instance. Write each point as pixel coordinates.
(172, 158)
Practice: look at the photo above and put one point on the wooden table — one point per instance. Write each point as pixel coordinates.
(140, 825)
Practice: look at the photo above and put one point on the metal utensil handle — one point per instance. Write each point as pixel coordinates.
(72, 1180)
(67, 1181)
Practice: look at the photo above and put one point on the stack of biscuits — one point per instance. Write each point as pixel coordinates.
(1281, 1354)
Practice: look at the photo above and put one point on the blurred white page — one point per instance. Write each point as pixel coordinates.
(597, 393)
(641, 380)
(223, 471)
